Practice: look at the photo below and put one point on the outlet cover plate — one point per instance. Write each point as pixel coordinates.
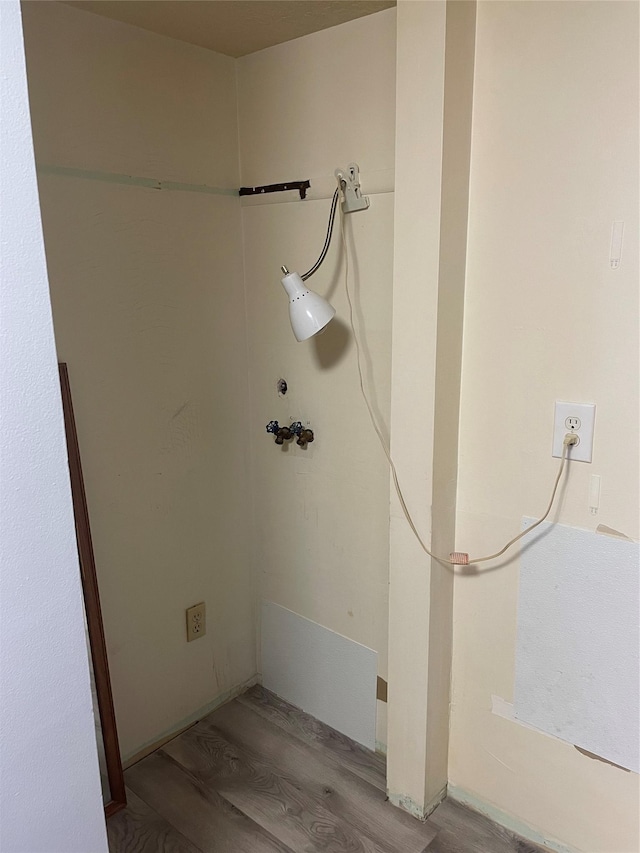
(578, 418)
(196, 622)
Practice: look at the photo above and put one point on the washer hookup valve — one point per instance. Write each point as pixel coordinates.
(284, 433)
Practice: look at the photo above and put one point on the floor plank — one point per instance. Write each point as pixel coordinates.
(463, 830)
(357, 802)
(274, 799)
(139, 829)
(368, 765)
(199, 813)
(260, 776)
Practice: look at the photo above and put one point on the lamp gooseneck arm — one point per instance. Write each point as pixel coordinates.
(327, 242)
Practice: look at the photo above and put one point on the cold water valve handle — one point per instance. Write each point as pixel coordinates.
(282, 434)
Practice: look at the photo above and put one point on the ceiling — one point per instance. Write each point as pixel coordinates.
(233, 27)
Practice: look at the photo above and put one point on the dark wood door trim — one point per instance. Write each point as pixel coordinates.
(92, 606)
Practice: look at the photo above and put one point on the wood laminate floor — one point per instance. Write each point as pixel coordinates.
(260, 776)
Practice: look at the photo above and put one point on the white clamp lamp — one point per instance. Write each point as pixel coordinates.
(309, 313)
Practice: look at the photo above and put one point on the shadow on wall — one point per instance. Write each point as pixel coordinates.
(513, 557)
(330, 346)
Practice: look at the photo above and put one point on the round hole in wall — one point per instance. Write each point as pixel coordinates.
(281, 387)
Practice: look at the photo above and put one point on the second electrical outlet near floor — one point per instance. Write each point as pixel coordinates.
(196, 622)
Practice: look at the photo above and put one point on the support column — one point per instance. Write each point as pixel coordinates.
(434, 99)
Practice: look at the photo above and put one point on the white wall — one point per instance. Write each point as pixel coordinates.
(321, 515)
(148, 306)
(50, 797)
(554, 162)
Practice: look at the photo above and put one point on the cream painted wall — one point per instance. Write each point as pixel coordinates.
(318, 102)
(148, 305)
(321, 515)
(554, 162)
(421, 31)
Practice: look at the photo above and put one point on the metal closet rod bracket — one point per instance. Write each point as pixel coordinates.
(301, 186)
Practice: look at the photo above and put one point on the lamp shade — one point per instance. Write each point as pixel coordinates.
(308, 312)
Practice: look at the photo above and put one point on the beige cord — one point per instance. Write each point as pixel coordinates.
(568, 440)
(459, 558)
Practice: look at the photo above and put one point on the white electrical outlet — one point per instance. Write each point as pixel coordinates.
(196, 622)
(578, 419)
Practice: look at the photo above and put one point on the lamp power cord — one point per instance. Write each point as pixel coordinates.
(456, 558)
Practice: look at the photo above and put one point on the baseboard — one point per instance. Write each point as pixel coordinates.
(513, 824)
(381, 748)
(183, 725)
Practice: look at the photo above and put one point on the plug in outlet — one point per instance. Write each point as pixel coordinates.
(196, 622)
(579, 419)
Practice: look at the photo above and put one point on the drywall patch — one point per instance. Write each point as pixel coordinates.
(577, 652)
(322, 672)
(501, 708)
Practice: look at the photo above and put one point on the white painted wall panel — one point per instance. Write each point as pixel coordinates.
(321, 672)
(50, 798)
(577, 667)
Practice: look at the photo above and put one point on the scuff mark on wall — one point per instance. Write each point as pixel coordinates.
(181, 409)
(499, 760)
(131, 180)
